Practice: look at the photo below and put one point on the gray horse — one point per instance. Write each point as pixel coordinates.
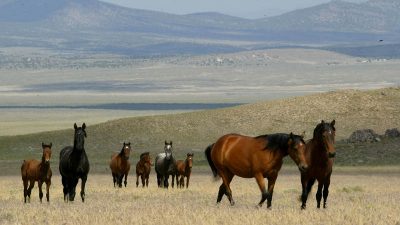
(165, 166)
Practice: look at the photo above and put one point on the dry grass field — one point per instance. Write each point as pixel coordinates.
(356, 197)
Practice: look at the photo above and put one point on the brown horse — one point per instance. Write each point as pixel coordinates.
(33, 170)
(120, 165)
(320, 151)
(143, 168)
(257, 157)
(184, 169)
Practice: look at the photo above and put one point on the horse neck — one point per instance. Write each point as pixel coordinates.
(187, 168)
(43, 167)
(317, 151)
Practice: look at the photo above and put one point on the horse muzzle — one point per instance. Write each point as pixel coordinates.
(303, 168)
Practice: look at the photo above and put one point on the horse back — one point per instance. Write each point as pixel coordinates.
(243, 155)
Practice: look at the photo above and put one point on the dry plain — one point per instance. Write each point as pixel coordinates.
(367, 196)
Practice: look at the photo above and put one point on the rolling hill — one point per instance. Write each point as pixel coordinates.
(352, 110)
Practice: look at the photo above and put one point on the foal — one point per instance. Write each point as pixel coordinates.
(120, 165)
(184, 169)
(33, 170)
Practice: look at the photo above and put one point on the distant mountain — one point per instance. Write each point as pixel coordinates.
(374, 16)
(93, 26)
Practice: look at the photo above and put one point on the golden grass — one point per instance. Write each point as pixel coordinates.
(365, 198)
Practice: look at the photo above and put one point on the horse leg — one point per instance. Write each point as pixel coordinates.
(48, 183)
(40, 183)
(126, 179)
(25, 181)
(326, 189)
(31, 185)
(114, 178)
(173, 177)
(261, 184)
(158, 179)
(306, 186)
(226, 179)
(143, 180)
(166, 184)
(271, 184)
(319, 193)
(147, 180)
(83, 184)
(187, 181)
(72, 187)
(65, 188)
(137, 180)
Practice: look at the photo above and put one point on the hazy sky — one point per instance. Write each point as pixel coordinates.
(241, 8)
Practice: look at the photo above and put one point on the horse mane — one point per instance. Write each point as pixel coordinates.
(275, 141)
(143, 154)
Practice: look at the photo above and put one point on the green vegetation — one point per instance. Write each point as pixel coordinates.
(193, 132)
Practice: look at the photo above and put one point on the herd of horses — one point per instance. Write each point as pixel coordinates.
(232, 154)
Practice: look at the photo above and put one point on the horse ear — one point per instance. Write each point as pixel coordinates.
(51, 144)
(303, 134)
(124, 143)
(129, 144)
(75, 126)
(333, 123)
(170, 142)
(322, 121)
(42, 144)
(291, 135)
(83, 126)
(166, 142)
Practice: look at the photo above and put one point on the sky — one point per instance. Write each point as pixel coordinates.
(250, 9)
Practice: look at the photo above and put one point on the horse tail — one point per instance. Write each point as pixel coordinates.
(23, 169)
(210, 162)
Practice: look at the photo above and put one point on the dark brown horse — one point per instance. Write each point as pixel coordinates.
(33, 170)
(259, 157)
(120, 165)
(320, 151)
(143, 168)
(184, 169)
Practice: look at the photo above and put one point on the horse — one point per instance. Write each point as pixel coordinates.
(120, 165)
(143, 168)
(34, 170)
(74, 164)
(320, 152)
(183, 169)
(259, 157)
(165, 165)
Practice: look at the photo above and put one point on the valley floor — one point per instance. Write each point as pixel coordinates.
(355, 198)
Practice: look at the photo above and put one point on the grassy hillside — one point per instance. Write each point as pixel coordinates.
(352, 110)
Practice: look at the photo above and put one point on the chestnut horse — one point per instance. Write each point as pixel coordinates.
(33, 170)
(320, 151)
(184, 169)
(143, 168)
(120, 165)
(259, 157)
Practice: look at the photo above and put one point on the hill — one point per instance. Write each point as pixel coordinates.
(352, 110)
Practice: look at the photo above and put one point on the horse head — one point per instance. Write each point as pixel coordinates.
(46, 153)
(189, 160)
(126, 151)
(296, 150)
(168, 150)
(80, 135)
(325, 134)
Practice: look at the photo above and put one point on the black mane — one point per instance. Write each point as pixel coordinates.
(278, 141)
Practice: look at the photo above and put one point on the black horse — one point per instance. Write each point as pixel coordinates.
(74, 164)
(165, 166)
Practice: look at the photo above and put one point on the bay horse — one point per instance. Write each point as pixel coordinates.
(184, 169)
(320, 152)
(34, 170)
(74, 164)
(120, 165)
(259, 157)
(165, 166)
(143, 168)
